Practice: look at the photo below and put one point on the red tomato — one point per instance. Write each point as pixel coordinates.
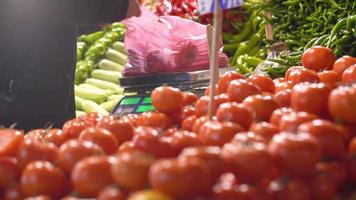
(322, 187)
(147, 140)
(225, 80)
(329, 136)
(312, 98)
(189, 98)
(283, 86)
(247, 137)
(336, 170)
(73, 128)
(91, 175)
(352, 146)
(127, 147)
(290, 122)
(318, 58)
(9, 172)
(130, 169)
(264, 129)
(208, 89)
(240, 89)
(72, 151)
(14, 192)
(36, 135)
(10, 139)
(264, 82)
(349, 75)
(329, 77)
(249, 162)
(56, 136)
(342, 101)
(121, 129)
(289, 189)
(202, 105)
(234, 112)
(30, 151)
(296, 155)
(288, 73)
(262, 105)
(283, 97)
(179, 178)
(170, 131)
(41, 177)
(154, 120)
(301, 75)
(343, 63)
(210, 156)
(188, 123)
(278, 114)
(111, 193)
(216, 133)
(167, 99)
(102, 137)
(179, 117)
(351, 166)
(91, 119)
(40, 197)
(183, 139)
(198, 123)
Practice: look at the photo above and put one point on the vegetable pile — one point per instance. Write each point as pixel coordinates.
(288, 138)
(101, 57)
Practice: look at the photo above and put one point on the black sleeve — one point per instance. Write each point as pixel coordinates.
(93, 12)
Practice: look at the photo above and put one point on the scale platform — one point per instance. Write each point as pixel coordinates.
(140, 88)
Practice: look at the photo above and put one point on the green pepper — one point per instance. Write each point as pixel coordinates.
(245, 32)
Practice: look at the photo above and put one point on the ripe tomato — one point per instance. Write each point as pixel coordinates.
(189, 98)
(121, 129)
(73, 128)
(154, 120)
(295, 154)
(130, 169)
(226, 188)
(318, 58)
(170, 131)
(198, 123)
(202, 105)
(210, 156)
(147, 140)
(290, 122)
(10, 139)
(73, 151)
(329, 77)
(300, 75)
(149, 195)
(342, 101)
(329, 136)
(56, 136)
(167, 99)
(262, 105)
(91, 119)
(30, 151)
(225, 80)
(288, 73)
(216, 133)
(240, 89)
(102, 137)
(322, 187)
(91, 175)
(41, 177)
(179, 178)
(36, 135)
(14, 192)
(183, 139)
(278, 114)
(336, 170)
(349, 75)
(234, 112)
(289, 189)
(111, 193)
(352, 146)
(351, 167)
(179, 117)
(343, 63)
(40, 197)
(208, 90)
(248, 161)
(264, 82)
(264, 129)
(283, 97)
(9, 171)
(188, 123)
(312, 98)
(247, 137)
(233, 192)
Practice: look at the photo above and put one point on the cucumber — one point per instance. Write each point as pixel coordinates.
(79, 113)
(94, 88)
(116, 56)
(105, 85)
(110, 105)
(115, 97)
(91, 106)
(110, 65)
(106, 75)
(119, 46)
(89, 94)
(78, 103)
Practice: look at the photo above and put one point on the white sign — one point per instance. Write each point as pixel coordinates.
(207, 6)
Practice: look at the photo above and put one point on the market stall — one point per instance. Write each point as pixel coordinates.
(280, 123)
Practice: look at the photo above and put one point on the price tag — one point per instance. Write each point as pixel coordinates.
(207, 6)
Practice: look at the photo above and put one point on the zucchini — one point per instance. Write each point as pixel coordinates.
(106, 75)
(78, 103)
(116, 56)
(110, 105)
(94, 88)
(110, 65)
(89, 94)
(119, 46)
(91, 106)
(105, 85)
(115, 97)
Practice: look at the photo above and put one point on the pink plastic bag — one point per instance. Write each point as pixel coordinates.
(166, 44)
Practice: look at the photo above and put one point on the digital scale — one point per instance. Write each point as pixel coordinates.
(138, 89)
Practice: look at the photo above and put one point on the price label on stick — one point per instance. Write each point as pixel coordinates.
(208, 6)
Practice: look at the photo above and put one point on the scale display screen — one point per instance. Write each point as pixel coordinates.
(134, 104)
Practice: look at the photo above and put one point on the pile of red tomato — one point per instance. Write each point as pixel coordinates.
(291, 138)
